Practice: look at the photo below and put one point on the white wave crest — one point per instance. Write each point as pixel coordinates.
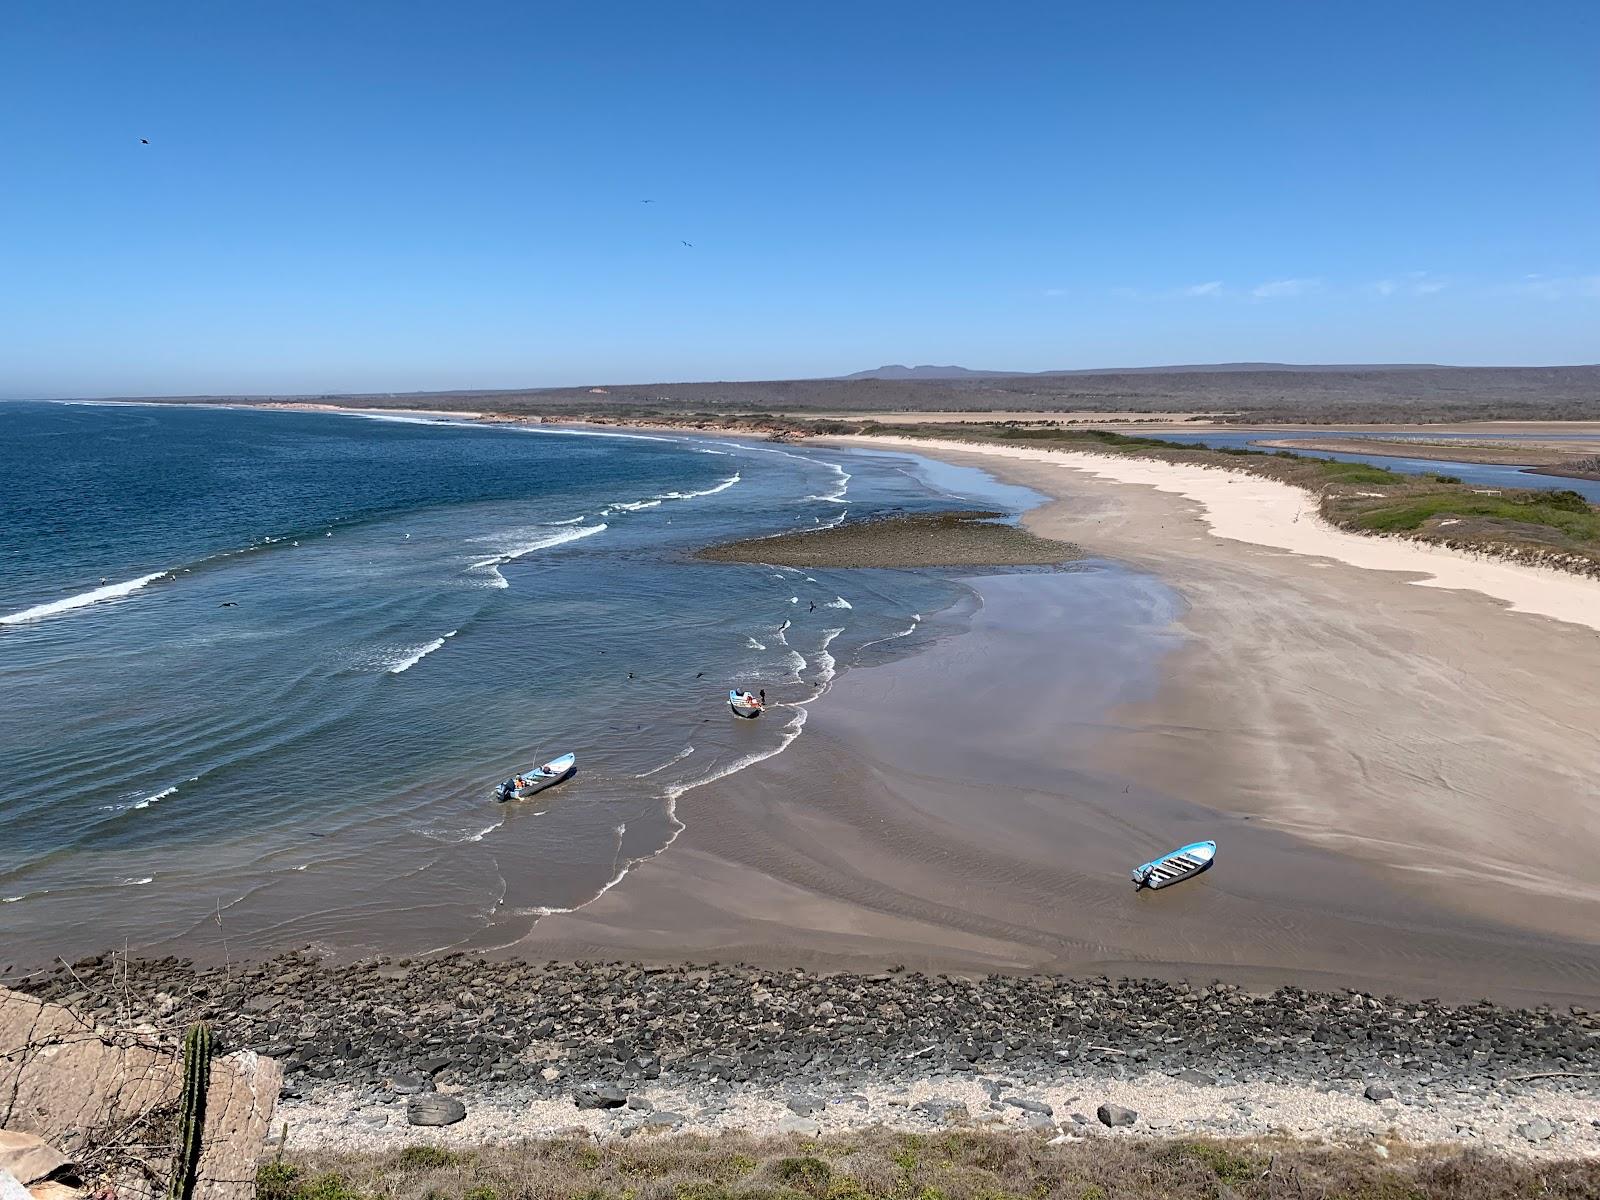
(110, 591)
(710, 491)
(413, 657)
(841, 485)
(838, 602)
(140, 882)
(157, 797)
(542, 542)
(752, 643)
(676, 758)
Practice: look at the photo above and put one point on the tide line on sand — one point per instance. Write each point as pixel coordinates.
(1264, 512)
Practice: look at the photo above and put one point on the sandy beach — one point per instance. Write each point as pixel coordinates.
(1399, 776)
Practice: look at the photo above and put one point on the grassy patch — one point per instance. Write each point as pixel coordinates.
(963, 1165)
(1550, 509)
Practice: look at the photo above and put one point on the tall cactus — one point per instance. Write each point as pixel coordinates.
(191, 1110)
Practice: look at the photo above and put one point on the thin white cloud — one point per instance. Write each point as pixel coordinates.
(1556, 287)
(1412, 283)
(1056, 291)
(1213, 288)
(1281, 289)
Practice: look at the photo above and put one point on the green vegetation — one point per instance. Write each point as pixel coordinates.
(1514, 522)
(956, 1165)
(1547, 509)
(191, 1110)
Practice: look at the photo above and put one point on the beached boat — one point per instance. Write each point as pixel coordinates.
(520, 787)
(745, 705)
(1180, 864)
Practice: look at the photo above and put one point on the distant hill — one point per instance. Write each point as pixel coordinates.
(1259, 392)
(896, 371)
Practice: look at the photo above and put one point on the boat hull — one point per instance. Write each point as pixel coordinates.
(736, 702)
(1183, 863)
(555, 771)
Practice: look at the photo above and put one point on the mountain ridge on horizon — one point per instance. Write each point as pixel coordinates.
(928, 371)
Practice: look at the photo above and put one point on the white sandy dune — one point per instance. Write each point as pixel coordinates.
(1264, 512)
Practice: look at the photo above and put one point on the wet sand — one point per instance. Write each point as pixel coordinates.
(1400, 779)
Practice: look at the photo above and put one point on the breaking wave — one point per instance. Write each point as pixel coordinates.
(109, 591)
(544, 542)
(413, 657)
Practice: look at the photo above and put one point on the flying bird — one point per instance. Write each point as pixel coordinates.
(647, 202)
(144, 141)
(688, 244)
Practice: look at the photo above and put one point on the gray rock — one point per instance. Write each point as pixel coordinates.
(1198, 1078)
(794, 1123)
(1114, 1115)
(1378, 1091)
(1536, 1130)
(1027, 1105)
(410, 1085)
(804, 1106)
(430, 1108)
(640, 1104)
(662, 1119)
(1040, 1123)
(942, 1110)
(599, 1095)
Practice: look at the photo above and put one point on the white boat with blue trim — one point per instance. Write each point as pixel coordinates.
(745, 705)
(529, 783)
(1182, 863)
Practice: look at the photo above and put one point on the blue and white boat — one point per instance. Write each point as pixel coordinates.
(520, 787)
(1180, 864)
(745, 705)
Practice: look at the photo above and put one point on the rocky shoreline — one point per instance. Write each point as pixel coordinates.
(502, 1050)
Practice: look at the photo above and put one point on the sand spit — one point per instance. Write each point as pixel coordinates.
(1264, 512)
(945, 539)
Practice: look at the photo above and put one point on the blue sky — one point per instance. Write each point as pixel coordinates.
(403, 196)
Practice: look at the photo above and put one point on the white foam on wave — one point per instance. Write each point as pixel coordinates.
(794, 599)
(710, 491)
(838, 602)
(157, 797)
(456, 837)
(138, 882)
(676, 758)
(826, 663)
(656, 500)
(110, 591)
(398, 419)
(23, 896)
(797, 664)
(752, 643)
(413, 657)
(545, 541)
(841, 484)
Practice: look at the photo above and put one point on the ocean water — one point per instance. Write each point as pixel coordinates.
(260, 671)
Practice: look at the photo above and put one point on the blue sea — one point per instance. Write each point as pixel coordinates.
(261, 670)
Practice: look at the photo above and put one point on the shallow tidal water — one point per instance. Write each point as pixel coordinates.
(260, 671)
